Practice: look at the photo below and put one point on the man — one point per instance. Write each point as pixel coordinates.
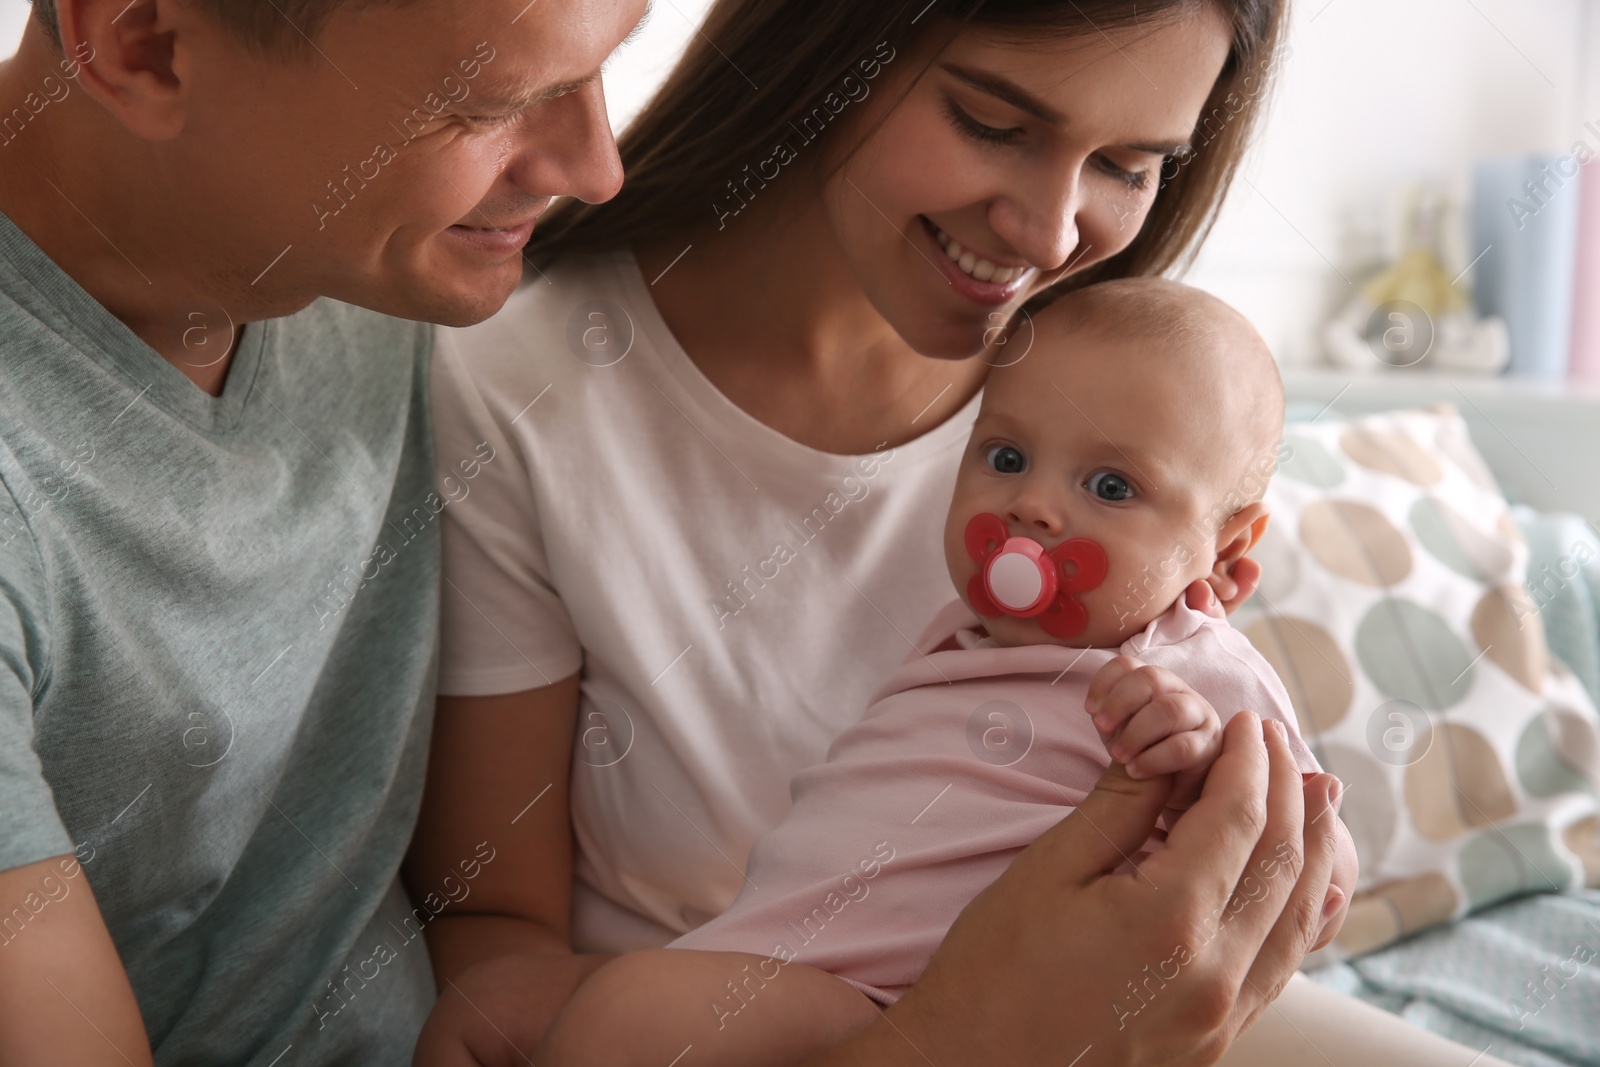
(218, 548)
(218, 523)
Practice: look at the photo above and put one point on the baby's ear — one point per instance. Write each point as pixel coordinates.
(1241, 533)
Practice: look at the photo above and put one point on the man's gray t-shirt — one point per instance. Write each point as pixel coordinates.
(217, 644)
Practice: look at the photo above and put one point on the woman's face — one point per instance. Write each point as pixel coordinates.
(1036, 159)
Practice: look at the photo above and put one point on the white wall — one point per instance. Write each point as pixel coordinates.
(1377, 93)
(633, 73)
(13, 13)
(1374, 94)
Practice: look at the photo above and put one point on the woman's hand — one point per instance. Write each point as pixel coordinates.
(1163, 966)
(501, 954)
(496, 1012)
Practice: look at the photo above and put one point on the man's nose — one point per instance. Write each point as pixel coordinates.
(571, 152)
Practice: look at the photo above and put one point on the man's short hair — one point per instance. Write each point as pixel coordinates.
(269, 27)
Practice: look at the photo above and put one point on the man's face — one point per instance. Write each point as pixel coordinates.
(402, 163)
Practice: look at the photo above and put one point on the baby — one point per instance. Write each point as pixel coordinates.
(1119, 461)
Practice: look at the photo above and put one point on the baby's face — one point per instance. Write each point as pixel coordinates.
(1082, 440)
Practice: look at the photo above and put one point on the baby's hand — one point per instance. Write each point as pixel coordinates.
(1153, 723)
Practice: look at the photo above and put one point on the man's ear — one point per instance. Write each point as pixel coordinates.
(129, 60)
(1240, 534)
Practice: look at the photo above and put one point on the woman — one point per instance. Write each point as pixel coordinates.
(710, 447)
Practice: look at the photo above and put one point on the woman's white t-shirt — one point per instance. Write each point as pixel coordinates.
(733, 597)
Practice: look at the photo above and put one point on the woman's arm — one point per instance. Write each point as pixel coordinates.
(497, 787)
(490, 758)
(63, 993)
(1165, 966)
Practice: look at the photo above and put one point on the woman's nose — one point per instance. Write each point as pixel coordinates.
(1041, 222)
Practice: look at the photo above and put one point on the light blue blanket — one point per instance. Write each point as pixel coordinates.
(1521, 979)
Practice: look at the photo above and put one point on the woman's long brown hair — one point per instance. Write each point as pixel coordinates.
(759, 67)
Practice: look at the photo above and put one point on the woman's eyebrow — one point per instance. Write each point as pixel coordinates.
(1008, 91)
(1011, 93)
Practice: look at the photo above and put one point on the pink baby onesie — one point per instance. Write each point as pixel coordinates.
(967, 754)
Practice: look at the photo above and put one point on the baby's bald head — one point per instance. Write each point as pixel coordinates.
(1189, 358)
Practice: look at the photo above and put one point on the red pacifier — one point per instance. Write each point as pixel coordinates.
(1017, 577)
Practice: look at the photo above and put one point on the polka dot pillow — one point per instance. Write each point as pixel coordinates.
(1393, 606)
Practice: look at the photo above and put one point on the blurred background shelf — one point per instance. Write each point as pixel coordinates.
(1541, 439)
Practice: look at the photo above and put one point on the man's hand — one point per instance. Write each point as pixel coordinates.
(1215, 923)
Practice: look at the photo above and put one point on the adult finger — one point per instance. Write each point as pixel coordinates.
(1105, 831)
(1335, 909)
(1298, 924)
(1208, 849)
(1261, 895)
(1278, 858)
(1342, 879)
(1295, 858)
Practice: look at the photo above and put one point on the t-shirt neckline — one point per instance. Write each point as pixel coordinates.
(933, 444)
(55, 299)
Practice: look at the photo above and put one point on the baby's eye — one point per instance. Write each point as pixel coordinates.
(1109, 486)
(1006, 460)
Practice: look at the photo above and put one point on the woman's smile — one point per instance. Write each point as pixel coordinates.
(977, 278)
(980, 267)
